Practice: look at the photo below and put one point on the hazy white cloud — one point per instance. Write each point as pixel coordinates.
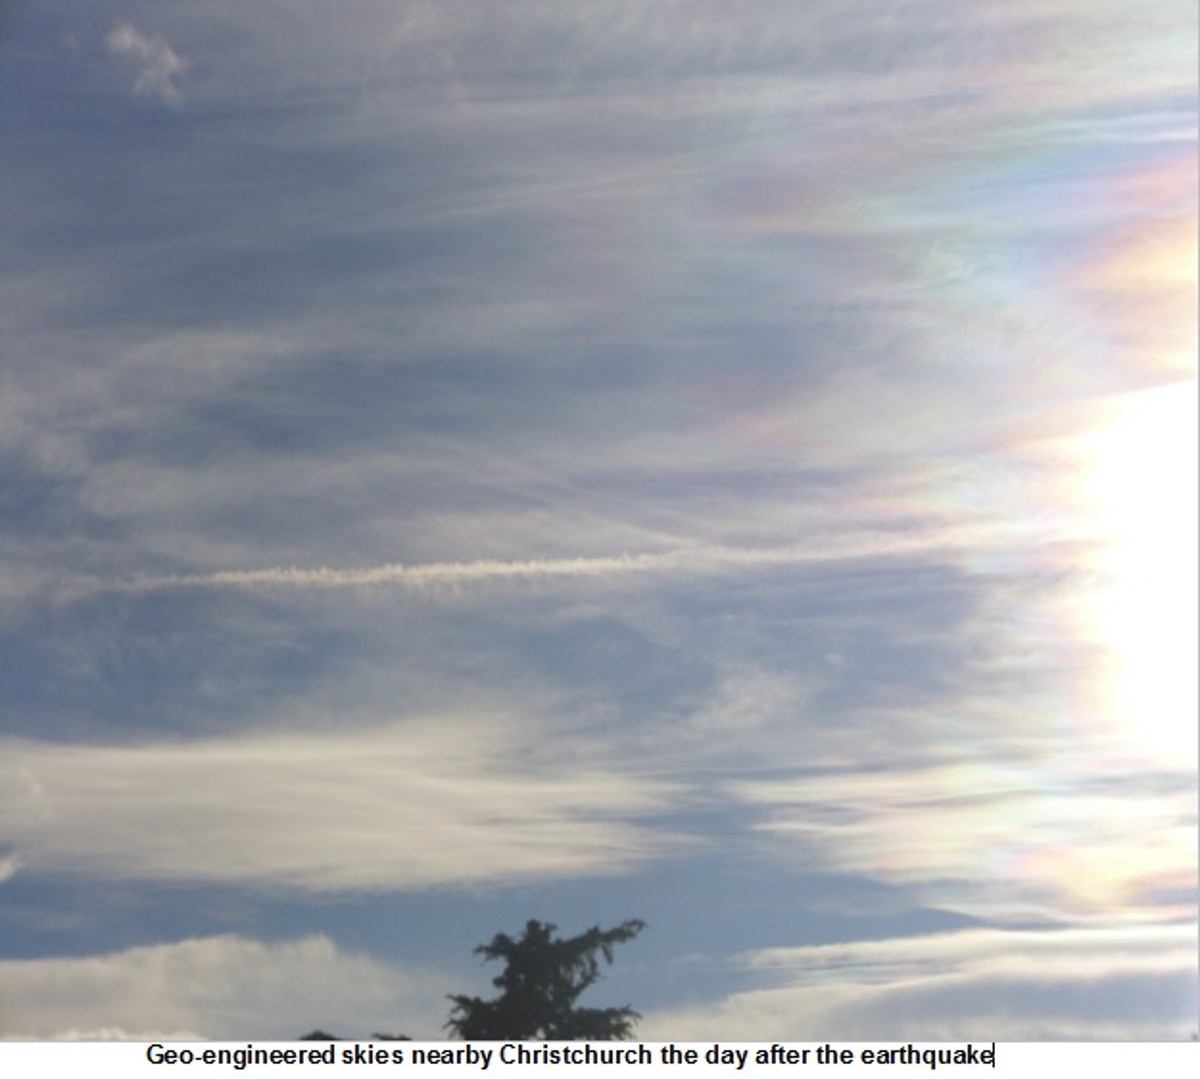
(453, 318)
(1133, 982)
(159, 66)
(1136, 982)
(995, 839)
(698, 559)
(1127, 983)
(223, 987)
(405, 807)
(747, 701)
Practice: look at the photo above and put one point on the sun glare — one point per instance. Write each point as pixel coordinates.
(1141, 490)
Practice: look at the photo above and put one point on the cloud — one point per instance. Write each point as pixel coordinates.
(598, 270)
(446, 301)
(402, 808)
(991, 837)
(698, 559)
(1128, 983)
(158, 64)
(1135, 982)
(221, 987)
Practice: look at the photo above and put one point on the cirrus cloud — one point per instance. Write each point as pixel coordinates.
(1135, 982)
(159, 65)
(399, 808)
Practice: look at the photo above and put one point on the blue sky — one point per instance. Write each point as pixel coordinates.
(468, 462)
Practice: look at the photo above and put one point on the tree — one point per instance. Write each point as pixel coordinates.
(542, 979)
(323, 1036)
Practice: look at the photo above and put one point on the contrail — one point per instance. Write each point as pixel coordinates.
(699, 559)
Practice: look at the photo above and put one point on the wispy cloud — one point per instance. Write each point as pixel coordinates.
(1060, 984)
(700, 559)
(635, 391)
(223, 987)
(159, 66)
(994, 837)
(445, 802)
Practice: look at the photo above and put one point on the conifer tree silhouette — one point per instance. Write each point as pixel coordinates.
(542, 979)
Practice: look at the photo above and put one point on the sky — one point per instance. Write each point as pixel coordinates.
(732, 466)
